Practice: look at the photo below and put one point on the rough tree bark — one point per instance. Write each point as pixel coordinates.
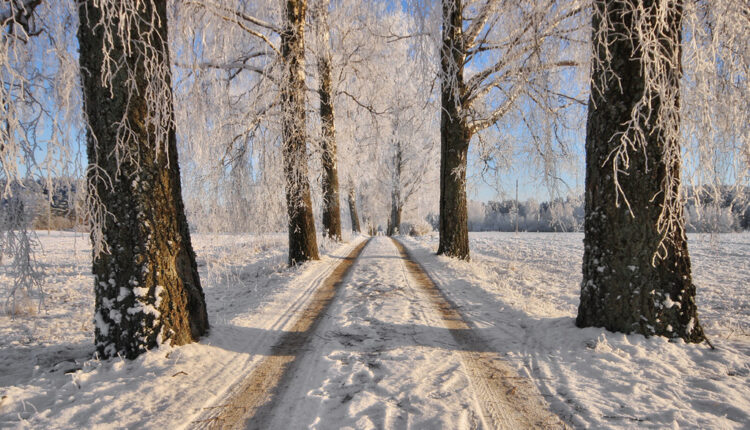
(147, 286)
(624, 287)
(303, 244)
(356, 228)
(455, 136)
(330, 182)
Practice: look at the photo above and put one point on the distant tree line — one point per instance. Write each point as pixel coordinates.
(55, 204)
(722, 210)
(558, 215)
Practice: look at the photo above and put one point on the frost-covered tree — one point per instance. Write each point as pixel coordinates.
(145, 276)
(406, 164)
(302, 241)
(251, 58)
(20, 244)
(38, 117)
(330, 180)
(351, 199)
(494, 55)
(636, 267)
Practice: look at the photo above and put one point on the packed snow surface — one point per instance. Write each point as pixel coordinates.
(380, 358)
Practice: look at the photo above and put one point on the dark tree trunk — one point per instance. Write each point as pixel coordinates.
(303, 245)
(454, 137)
(394, 222)
(147, 286)
(353, 210)
(625, 287)
(331, 205)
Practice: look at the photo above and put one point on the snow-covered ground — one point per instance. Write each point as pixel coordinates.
(520, 293)
(48, 378)
(384, 358)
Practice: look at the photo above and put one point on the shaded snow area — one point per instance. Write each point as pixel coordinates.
(522, 292)
(381, 357)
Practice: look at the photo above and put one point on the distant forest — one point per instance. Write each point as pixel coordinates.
(722, 210)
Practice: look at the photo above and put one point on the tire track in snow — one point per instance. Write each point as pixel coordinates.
(260, 388)
(307, 282)
(507, 401)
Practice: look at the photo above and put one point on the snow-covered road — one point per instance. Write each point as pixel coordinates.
(384, 357)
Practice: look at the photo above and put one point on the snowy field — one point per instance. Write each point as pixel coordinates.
(520, 293)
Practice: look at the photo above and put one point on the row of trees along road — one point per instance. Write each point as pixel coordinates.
(240, 79)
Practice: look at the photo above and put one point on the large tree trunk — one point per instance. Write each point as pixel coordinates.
(356, 228)
(454, 137)
(331, 205)
(625, 287)
(303, 245)
(147, 286)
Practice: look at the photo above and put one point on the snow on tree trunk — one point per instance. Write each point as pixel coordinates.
(303, 244)
(330, 182)
(636, 270)
(356, 228)
(454, 137)
(146, 284)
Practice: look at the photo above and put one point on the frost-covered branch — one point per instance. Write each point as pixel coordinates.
(240, 19)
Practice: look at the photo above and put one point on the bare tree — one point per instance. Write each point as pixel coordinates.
(146, 279)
